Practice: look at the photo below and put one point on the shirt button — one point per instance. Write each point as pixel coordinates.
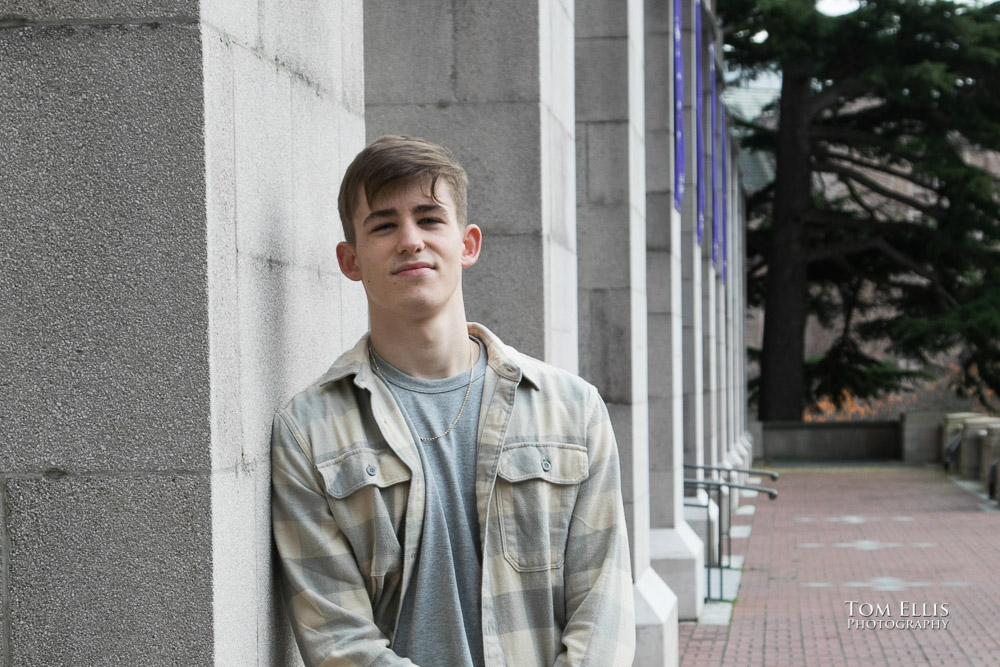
(546, 466)
(371, 470)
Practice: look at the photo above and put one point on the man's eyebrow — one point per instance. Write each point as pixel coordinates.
(428, 208)
(381, 213)
(391, 212)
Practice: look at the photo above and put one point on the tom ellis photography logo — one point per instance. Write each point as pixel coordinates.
(902, 615)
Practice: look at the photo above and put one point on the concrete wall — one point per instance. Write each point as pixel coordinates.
(104, 473)
(831, 441)
(284, 103)
(691, 264)
(921, 434)
(494, 83)
(168, 252)
(676, 552)
(611, 237)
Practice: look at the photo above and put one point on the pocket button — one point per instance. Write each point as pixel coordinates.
(371, 470)
(546, 466)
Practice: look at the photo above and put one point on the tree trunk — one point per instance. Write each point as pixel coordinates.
(782, 372)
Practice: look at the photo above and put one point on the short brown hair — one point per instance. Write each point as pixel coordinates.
(393, 162)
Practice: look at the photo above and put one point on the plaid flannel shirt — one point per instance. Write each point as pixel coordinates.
(348, 506)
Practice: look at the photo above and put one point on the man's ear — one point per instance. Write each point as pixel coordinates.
(348, 261)
(472, 242)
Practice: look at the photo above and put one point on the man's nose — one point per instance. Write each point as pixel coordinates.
(410, 238)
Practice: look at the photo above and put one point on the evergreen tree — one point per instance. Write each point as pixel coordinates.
(881, 220)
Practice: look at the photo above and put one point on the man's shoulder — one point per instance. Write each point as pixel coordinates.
(540, 375)
(550, 400)
(553, 380)
(332, 391)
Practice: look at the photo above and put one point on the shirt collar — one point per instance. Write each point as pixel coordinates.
(502, 358)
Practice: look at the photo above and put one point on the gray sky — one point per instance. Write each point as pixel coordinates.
(837, 7)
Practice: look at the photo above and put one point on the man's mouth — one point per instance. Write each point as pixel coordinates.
(413, 269)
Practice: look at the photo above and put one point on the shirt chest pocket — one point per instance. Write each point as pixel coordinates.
(536, 492)
(368, 490)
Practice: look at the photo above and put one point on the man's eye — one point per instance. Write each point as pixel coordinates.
(381, 228)
(430, 221)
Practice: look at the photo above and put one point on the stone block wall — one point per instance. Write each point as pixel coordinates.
(169, 223)
(494, 83)
(104, 474)
(284, 107)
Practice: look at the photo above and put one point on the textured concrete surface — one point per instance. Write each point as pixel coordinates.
(656, 622)
(109, 570)
(663, 276)
(102, 254)
(678, 556)
(171, 191)
(921, 433)
(307, 38)
(710, 356)
(502, 102)
(837, 441)
(510, 269)
(611, 242)
(403, 79)
(691, 268)
(283, 105)
(105, 535)
(504, 165)
(497, 49)
(98, 10)
(603, 66)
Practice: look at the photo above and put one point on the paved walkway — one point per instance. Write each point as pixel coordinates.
(894, 545)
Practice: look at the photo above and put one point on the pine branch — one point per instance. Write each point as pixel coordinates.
(930, 210)
(841, 219)
(884, 167)
(853, 138)
(839, 250)
(839, 94)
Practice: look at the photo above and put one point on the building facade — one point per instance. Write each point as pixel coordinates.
(170, 172)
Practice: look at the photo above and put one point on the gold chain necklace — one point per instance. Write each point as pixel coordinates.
(468, 390)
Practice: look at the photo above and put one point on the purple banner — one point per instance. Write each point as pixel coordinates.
(725, 191)
(714, 144)
(699, 113)
(679, 152)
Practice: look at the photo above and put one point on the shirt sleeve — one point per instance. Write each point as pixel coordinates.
(600, 613)
(324, 591)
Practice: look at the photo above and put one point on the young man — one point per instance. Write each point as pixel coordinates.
(439, 498)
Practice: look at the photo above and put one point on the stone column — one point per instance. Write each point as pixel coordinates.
(710, 281)
(676, 552)
(729, 392)
(284, 116)
(740, 289)
(691, 267)
(711, 326)
(611, 237)
(168, 252)
(694, 273)
(494, 83)
(734, 277)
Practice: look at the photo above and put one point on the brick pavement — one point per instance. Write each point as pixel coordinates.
(894, 540)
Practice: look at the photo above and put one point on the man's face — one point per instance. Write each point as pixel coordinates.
(409, 252)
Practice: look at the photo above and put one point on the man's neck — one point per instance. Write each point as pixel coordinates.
(432, 349)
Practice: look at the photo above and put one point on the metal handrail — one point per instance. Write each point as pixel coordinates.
(772, 493)
(718, 486)
(750, 471)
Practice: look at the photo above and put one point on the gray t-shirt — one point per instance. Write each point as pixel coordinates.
(440, 622)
